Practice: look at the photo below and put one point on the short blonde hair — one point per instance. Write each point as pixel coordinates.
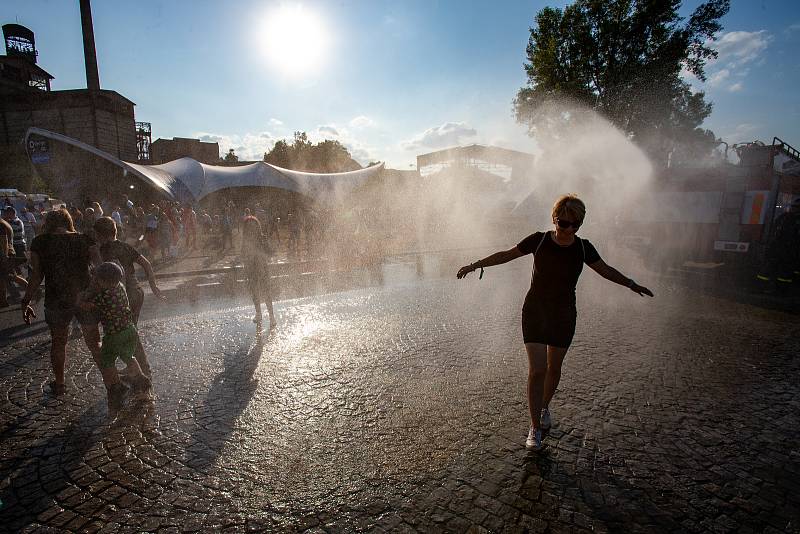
(570, 205)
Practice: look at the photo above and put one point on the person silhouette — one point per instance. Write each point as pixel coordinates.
(549, 313)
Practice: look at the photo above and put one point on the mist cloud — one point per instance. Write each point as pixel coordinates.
(446, 135)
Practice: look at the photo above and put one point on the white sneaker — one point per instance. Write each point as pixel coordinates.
(546, 421)
(534, 441)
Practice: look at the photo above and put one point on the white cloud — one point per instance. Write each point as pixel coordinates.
(735, 51)
(327, 132)
(448, 134)
(361, 122)
(794, 27)
(740, 47)
(741, 133)
(275, 122)
(736, 87)
(249, 146)
(718, 78)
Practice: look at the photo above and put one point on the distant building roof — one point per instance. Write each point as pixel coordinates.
(489, 154)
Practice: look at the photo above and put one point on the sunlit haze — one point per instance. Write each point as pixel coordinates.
(389, 80)
(294, 39)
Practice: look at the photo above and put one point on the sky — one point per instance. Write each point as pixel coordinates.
(389, 80)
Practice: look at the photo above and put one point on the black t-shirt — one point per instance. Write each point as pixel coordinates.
(64, 260)
(556, 268)
(125, 255)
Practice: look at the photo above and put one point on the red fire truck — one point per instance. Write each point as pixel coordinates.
(720, 214)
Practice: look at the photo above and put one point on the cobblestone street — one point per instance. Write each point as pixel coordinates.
(402, 408)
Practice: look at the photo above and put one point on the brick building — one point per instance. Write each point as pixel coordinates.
(101, 118)
(164, 150)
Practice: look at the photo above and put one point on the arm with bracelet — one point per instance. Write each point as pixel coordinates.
(613, 275)
(498, 258)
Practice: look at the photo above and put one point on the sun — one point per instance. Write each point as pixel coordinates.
(294, 39)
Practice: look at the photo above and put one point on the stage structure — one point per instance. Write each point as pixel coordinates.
(184, 180)
(510, 164)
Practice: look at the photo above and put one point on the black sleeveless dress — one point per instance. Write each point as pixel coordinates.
(549, 312)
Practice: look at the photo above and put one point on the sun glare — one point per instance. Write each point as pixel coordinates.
(294, 40)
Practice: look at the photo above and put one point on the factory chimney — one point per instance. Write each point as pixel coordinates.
(89, 51)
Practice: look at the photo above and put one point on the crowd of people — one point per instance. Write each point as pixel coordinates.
(86, 259)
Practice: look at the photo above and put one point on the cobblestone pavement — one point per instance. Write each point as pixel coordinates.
(402, 408)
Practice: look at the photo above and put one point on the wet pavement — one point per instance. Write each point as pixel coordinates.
(402, 408)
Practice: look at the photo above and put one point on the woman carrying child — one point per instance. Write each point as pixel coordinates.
(255, 258)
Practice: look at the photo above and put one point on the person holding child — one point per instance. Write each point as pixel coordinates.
(114, 250)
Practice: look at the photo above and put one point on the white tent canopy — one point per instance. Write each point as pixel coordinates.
(186, 179)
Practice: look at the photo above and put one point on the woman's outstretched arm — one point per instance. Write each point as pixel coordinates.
(610, 273)
(504, 256)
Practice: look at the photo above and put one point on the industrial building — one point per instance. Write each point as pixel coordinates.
(99, 117)
(164, 150)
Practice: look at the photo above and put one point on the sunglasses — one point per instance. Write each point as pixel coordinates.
(566, 224)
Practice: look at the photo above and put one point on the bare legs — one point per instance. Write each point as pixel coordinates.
(58, 351)
(136, 299)
(544, 374)
(258, 295)
(555, 357)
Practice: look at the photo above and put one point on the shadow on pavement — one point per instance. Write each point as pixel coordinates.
(44, 473)
(229, 394)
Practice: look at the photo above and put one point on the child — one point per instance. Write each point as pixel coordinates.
(120, 338)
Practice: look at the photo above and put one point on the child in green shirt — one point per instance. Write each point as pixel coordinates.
(120, 338)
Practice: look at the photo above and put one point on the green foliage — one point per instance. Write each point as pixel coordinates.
(623, 59)
(230, 158)
(303, 155)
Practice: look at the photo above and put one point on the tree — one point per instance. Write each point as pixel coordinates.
(303, 155)
(279, 155)
(623, 59)
(230, 158)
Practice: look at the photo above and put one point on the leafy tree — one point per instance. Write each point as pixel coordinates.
(280, 155)
(230, 158)
(303, 155)
(623, 59)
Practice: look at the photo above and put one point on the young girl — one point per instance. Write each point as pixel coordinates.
(255, 257)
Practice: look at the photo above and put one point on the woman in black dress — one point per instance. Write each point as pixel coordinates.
(549, 312)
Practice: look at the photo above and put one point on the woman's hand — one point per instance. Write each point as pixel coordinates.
(464, 271)
(641, 290)
(158, 294)
(28, 313)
